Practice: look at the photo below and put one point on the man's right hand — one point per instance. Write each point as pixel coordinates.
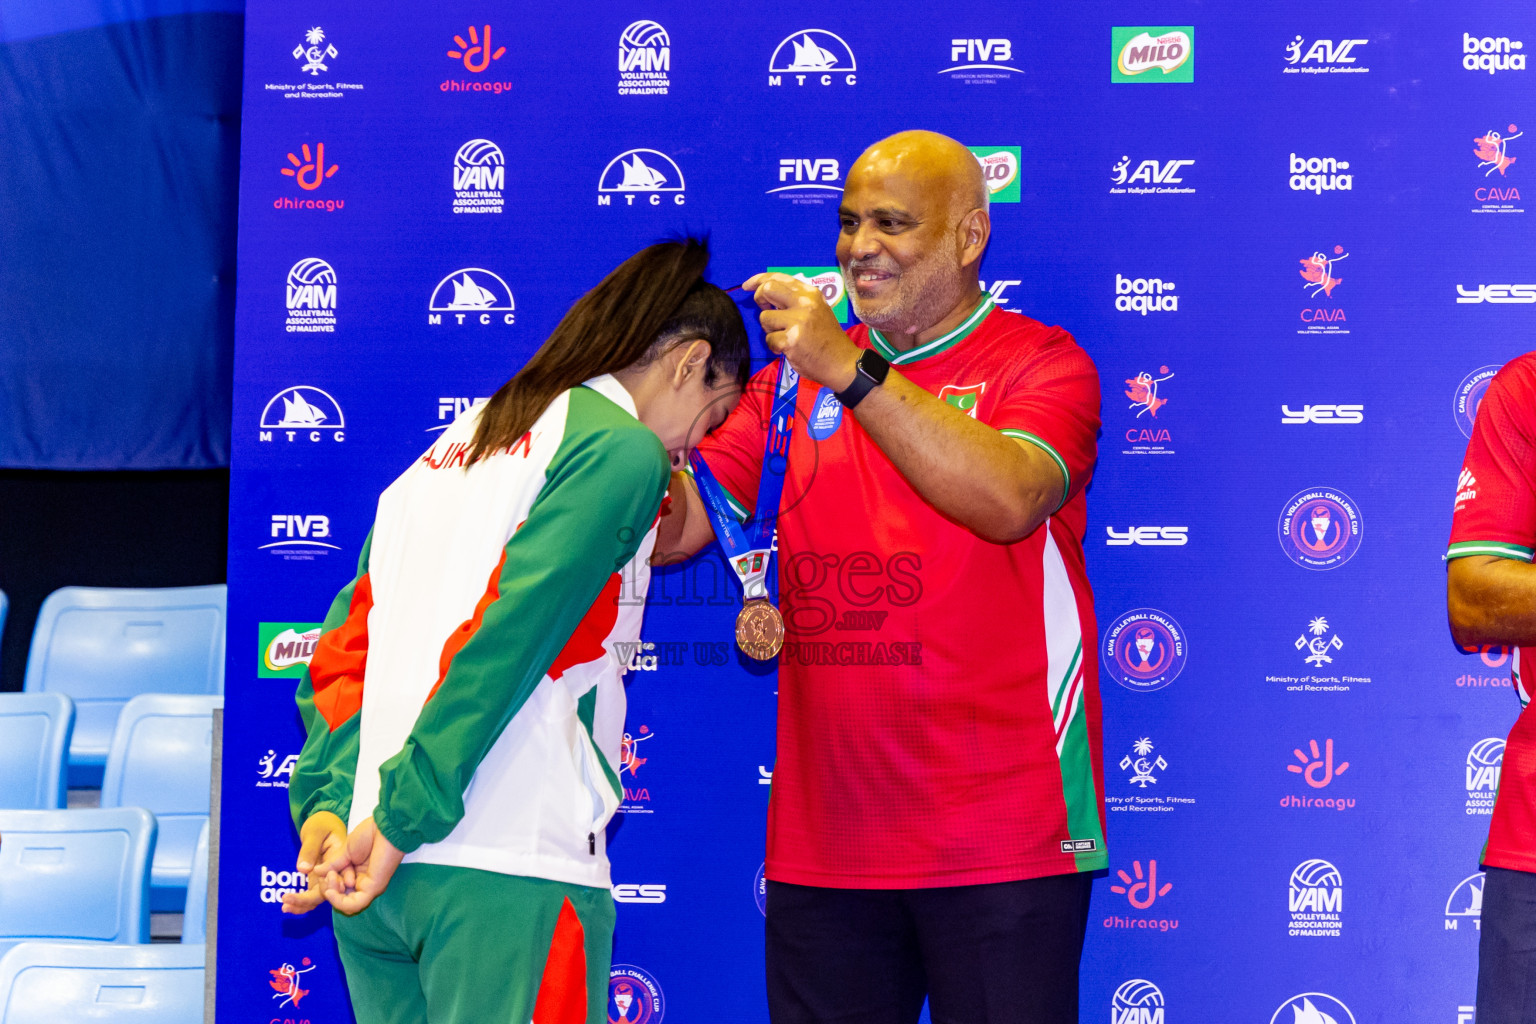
(322, 852)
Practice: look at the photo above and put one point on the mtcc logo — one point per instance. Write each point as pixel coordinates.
(1485, 762)
(1491, 53)
(1465, 903)
(1319, 174)
(302, 413)
(1143, 890)
(1145, 295)
(1324, 55)
(1320, 528)
(634, 997)
(473, 292)
(1144, 650)
(1319, 769)
(813, 54)
(311, 297)
(1469, 395)
(1000, 170)
(1312, 1008)
(1150, 176)
(1316, 900)
(1137, 1001)
(479, 175)
(645, 59)
(641, 171)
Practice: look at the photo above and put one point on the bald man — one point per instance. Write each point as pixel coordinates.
(937, 799)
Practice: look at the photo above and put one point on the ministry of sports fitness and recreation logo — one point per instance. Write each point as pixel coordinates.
(302, 413)
(287, 982)
(286, 648)
(808, 181)
(1151, 177)
(1141, 762)
(1496, 195)
(309, 170)
(827, 280)
(1145, 295)
(1316, 900)
(1000, 170)
(272, 773)
(980, 61)
(1319, 174)
(298, 537)
(812, 56)
(1485, 762)
(1144, 650)
(1146, 396)
(1164, 54)
(1317, 644)
(477, 52)
(1465, 903)
(645, 60)
(636, 798)
(479, 175)
(313, 55)
(1312, 1008)
(644, 172)
(1491, 53)
(634, 997)
(1469, 395)
(472, 295)
(1320, 528)
(311, 298)
(314, 51)
(1318, 281)
(1323, 57)
(1137, 1001)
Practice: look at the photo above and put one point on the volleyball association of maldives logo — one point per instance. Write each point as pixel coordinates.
(634, 997)
(479, 175)
(1137, 1001)
(1469, 395)
(1316, 899)
(1485, 763)
(645, 59)
(311, 297)
(641, 172)
(1312, 1008)
(1320, 528)
(1144, 650)
(812, 56)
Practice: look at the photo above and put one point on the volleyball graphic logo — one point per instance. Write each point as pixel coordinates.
(645, 59)
(1312, 1008)
(1137, 1001)
(641, 35)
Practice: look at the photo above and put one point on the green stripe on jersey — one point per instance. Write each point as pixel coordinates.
(736, 506)
(896, 357)
(1043, 445)
(1078, 788)
(1065, 686)
(1496, 548)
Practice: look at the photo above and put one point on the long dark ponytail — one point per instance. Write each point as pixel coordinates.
(646, 302)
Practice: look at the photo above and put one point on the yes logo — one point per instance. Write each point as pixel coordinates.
(477, 53)
(1144, 890)
(312, 171)
(1336, 414)
(1000, 170)
(963, 396)
(1148, 536)
(1319, 769)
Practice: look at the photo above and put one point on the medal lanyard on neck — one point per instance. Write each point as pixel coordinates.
(748, 547)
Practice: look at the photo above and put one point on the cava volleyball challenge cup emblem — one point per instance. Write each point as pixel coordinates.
(1144, 650)
(1320, 528)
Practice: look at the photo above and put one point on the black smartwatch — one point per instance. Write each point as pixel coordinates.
(867, 375)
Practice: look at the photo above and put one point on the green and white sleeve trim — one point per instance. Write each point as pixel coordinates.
(736, 506)
(1496, 548)
(1040, 442)
(896, 357)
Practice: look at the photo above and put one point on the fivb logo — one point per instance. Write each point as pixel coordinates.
(311, 297)
(1319, 174)
(296, 537)
(1491, 53)
(1148, 536)
(1316, 900)
(302, 412)
(1485, 762)
(1149, 177)
(1145, 295)
(808, 181)
(641, 170)
(1000, 170)
(1324, 55)
(980, 61)
(1337, 414)
(472, 292)
(451, 408)
(645, 58)
(1312, 1008)
(1137, 1001)
(1499, 294)
(479, 174)
(815, 54)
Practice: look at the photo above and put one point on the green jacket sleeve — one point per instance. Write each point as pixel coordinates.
(330, 699)
(600, 498)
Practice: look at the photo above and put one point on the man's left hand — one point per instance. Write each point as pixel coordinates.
(800, 326)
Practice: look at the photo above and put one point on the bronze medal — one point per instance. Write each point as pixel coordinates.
(759, 630)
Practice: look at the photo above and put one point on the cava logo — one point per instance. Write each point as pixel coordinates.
(285, 982)
(760, 889)
(298, 537)
(640, 171)
(1136, 1002)
(1148, 536)
(637, 798)
(1469, 395)
(1319, 174)
(1316, 900)
(1465, 903)
(1150, 177)
(475, 53)
(1335, 414)
(1145, 295)
(451, 408)
(1495, 195)
(479, 175)
(808, 182)
(813, 56)
(1144, 650)
(272, 774)
(1153, 54)
(827, 280)
(311, 297)
(1485, 761)
(1323, 57)
(639, 893)
(1145, 394)
(1318, 280)
(634, 997)
(980, 61)
(1498, 294)
(302, 413)
(314, 51)
(645, 60)
(1000, 170)
(474, 292)
(1312, 1008)
(1491, 53)
(286, 648)
(1320, 529)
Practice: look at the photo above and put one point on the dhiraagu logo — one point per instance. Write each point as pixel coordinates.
(1153, 54)
(1000, 170)
(286, 648)
(827, 280)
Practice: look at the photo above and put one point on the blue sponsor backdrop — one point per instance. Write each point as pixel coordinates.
(1289, 270)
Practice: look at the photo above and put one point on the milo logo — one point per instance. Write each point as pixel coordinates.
(286, 648)
(1000, 170)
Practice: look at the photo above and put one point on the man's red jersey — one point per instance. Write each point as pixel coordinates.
(939, 718)
(1496, 515)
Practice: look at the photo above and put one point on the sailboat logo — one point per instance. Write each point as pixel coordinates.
(1312, 1008)
(1466, 900)
(812, 49)
(641, 170)
(472, 288)
(302, 408)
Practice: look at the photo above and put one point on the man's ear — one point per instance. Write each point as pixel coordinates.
(974, 230)
(692, 357)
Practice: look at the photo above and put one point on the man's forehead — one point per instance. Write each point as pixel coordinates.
(873, 193)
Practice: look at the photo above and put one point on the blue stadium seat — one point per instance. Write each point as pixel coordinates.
(34, 742)
(102, 646)
(5, 607)
(65, 982)
(81, 874)
(161, 759)
(194, 920)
